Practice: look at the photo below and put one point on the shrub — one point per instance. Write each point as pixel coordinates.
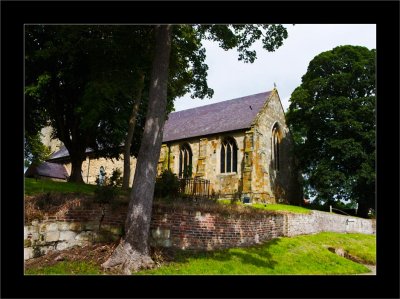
(167, 185)
(107, 192)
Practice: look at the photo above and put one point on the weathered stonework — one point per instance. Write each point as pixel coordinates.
(91, 168)
(171, 227)
(255, 178)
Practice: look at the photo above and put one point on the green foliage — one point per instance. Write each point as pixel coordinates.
(82, 78)
(167, 185)
(236, 198)
(109, 191)
(35, 151)
(332, 118)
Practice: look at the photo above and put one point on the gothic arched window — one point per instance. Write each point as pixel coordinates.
(185, 161)
(276, 139)
(228, 156)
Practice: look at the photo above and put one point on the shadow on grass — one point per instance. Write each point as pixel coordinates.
(258, 256)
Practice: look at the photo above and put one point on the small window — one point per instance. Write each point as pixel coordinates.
(228, 156)
(185, 161)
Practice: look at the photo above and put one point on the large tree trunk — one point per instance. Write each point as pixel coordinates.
(76, 170)
(77, 155)
(132, 253)
(129, 136)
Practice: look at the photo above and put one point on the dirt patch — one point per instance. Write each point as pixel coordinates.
(343, 253)
(96, 254)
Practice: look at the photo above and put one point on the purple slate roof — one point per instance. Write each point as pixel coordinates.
(220, 117)
(63, 153)
(48, 169)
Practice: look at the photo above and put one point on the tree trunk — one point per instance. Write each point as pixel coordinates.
(129, 136)
(132, 253)
(76, 170)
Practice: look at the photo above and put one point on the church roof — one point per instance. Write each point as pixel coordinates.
(226, 116)
(63, 153)
(220, 117)
(48, 169)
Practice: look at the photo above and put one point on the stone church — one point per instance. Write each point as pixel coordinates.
(242, 146)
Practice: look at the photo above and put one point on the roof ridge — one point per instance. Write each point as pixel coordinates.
(224, 101)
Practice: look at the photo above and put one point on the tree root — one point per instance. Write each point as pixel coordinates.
(128, 260)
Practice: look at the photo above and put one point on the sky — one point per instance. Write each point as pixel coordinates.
(232, 79)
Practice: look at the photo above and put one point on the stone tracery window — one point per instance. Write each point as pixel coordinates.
(276, 139)
(228, 156)
(185, 161)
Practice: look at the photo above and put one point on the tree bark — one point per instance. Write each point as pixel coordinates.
(77, 155)
(129, 136)
(76, 170)
(132, 253)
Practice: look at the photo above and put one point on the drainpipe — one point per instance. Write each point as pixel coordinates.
(87, 176)
(169, 153)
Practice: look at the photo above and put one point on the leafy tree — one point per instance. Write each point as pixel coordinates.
(332, 118)
(91, 83)
(133, 252)
(35, 151)
(69, 84)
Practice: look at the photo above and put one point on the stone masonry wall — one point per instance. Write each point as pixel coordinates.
(206, 161)
(183, 229)
(269, 184)
(255, 176)
(91, 168)
(317, 221)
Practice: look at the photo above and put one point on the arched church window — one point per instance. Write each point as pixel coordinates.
(276, 139)
(228, 156)
(185, 161)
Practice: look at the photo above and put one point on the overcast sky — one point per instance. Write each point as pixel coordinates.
(231, 78)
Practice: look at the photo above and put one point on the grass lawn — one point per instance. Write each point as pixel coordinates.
(281, 207)
(67, 268)
(270, 207)
(297, 255)
(33, 187)
(301, 255)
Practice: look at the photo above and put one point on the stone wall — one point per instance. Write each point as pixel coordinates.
(269, 184)
(74, 226)
(255, 177)
(42, 237)
(206, 155)
(317, 221)
(183, 229)
(45, 137)
(91, 168)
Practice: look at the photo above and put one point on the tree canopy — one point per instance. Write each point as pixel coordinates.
(82, 79)
(132, 253)
(332, 118)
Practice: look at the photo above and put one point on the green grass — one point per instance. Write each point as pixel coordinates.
(302, 255)
(33, 187)
(270, 207)
(67, 268)
(281, 207)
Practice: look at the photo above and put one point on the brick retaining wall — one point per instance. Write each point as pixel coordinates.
(183, 229)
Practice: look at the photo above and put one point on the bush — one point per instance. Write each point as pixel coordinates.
(107, 192)
(167, 185)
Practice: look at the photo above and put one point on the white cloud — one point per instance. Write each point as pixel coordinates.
(231, 78)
